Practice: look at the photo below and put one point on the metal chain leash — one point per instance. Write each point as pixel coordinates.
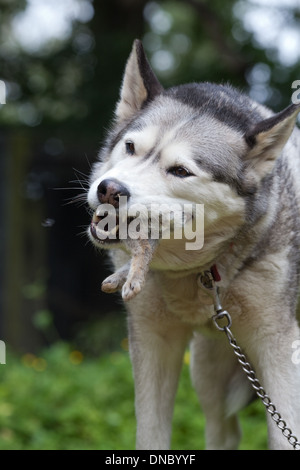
(207, 281)
(260, 392)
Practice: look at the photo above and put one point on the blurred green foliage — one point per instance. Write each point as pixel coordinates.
(73, 79)
(64, 400)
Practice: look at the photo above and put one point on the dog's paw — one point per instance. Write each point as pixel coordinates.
(112, 283)
(131, 289)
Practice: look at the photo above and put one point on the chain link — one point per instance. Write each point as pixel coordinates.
(260, 392)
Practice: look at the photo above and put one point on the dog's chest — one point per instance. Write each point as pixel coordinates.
(186, 300)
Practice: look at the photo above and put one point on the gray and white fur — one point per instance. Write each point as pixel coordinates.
(208, 144)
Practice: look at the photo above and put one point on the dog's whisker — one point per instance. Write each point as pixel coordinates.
(85, 175)
(71, 188)
(81, 234)
(79, 200)
(83, 184)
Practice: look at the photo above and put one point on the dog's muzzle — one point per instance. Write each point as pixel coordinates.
(105, 223)
(110, 190)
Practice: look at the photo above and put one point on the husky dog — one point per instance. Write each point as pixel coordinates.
(206, 144)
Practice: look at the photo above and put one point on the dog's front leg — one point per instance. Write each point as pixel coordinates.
(281, 380)
(271, 354)
(156, 349)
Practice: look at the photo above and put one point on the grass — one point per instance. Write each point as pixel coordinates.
(63, 400)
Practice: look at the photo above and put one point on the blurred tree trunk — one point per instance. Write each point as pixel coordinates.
(23, 250)
(115, 25)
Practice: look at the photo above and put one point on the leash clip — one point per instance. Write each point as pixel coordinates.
(206, 280)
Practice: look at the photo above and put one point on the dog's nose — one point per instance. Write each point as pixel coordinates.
(110, 190)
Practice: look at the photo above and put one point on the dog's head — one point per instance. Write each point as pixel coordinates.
(197, 146)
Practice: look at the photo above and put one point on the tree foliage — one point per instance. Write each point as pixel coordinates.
(74, 79)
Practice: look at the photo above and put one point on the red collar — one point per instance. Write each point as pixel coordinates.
(215, 273)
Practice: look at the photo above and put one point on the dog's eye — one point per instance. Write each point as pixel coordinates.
(179, 171)
(130, 147)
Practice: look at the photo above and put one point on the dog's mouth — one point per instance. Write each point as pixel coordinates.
(109, 228)
(111, 225)
(105, 229)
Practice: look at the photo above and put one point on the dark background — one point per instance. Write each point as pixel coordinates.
(60, 96)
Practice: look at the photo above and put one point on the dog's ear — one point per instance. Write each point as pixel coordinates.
(267, 138)
(139, 86)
